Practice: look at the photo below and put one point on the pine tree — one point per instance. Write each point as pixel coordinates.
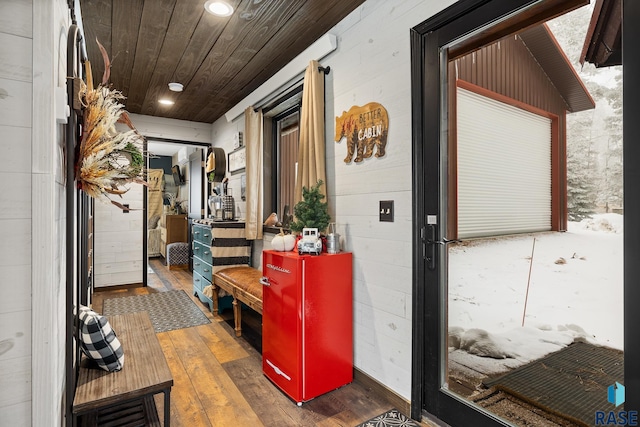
(581, 191)
(591, 183)
(311, 211)
(582, 170)
(611, 193)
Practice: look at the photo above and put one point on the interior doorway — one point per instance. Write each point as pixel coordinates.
(453, 184)
(176, 193)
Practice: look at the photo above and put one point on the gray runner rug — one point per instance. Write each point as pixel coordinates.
(168, 310)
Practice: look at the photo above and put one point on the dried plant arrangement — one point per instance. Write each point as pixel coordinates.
(107, 159)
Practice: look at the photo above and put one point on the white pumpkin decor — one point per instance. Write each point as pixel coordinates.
(283, 242)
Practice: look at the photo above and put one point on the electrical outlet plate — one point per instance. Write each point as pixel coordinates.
(386, 210)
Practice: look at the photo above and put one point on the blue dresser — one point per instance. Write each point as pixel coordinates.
(216, 245)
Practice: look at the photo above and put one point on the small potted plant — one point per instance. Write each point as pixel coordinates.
(311, 211)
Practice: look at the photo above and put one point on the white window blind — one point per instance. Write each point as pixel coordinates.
(504, 168)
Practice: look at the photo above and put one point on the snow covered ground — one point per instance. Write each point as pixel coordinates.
(575, 293)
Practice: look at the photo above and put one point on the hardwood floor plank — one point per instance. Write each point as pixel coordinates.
(163, 275)
(183, 279)
(223, 346)
(269, 403)
(364, 403)
(220, 397)
(343, 419)
(186, 407)
(328, 405)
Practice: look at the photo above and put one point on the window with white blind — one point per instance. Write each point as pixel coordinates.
(504, 168)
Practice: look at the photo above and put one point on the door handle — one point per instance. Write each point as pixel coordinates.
(432, 243)
(264, 281)
(444, 241)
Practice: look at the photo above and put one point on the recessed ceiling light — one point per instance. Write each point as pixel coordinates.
(176, 87)
(166, 101)
(218, 8)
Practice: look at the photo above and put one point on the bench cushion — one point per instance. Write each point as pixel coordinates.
(245, 278)
(98, 341)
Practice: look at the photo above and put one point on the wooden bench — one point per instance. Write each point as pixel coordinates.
(243, 283)
(128, 394)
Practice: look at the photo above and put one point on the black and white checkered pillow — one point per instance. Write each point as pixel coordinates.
(99, 342)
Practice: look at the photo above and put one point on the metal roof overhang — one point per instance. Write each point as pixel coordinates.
(545, 49)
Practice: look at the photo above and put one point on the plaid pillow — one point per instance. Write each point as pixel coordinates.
(99, 342)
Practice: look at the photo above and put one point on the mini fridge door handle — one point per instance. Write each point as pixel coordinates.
(278, 370)
(264, 281)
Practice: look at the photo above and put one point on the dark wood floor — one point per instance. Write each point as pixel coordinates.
(218, 378)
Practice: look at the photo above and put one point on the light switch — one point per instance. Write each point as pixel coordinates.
(386, 210)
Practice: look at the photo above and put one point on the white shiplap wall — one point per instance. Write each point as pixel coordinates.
(222, 134)
(372, 63)
(32, 218)
(15, 215)
(16, 38)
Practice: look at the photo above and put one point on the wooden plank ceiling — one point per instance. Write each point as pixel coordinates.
(218, 60)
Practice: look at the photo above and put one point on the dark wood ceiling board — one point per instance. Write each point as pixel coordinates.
(280, 51)
(283, 48)
(124, 40)
(219, 60)
(97, 24)
(151, 36)
(204, 37)
(237, 88)
(250, 19)
(186, 16)
(252, 43)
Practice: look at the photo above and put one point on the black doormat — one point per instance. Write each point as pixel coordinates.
(571, 383)
(392, 418)
(518, 412)
(168, 310)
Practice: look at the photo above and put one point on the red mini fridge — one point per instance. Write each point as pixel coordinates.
(307, 322)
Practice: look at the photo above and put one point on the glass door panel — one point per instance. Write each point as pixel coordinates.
(533, 248)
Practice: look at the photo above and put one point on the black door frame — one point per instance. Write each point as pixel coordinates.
(429, 312)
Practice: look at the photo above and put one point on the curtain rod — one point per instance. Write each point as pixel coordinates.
(287, 93)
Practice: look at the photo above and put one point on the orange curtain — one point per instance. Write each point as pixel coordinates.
(311, 154)
(253, 135)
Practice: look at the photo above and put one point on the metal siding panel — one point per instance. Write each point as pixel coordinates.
(504, 168)
(521, 76)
